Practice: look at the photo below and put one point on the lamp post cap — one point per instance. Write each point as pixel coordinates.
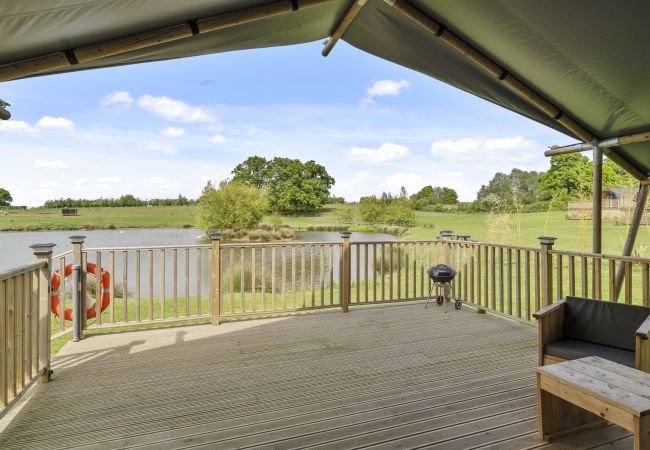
(215, 236)
(546, 239)
(345, 234)
(77, 239)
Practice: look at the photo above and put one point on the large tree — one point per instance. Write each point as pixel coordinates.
(233, 205)
(505, 191)
(570, 173)
(5, 197)
(429, 195)
(291, 185)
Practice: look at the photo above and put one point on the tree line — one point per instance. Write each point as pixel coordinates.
(123, 201)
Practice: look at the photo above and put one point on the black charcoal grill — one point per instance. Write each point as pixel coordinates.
(442, 277)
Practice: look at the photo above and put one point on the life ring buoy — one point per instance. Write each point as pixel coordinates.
(91, 311)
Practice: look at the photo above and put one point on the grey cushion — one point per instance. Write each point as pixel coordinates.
(605, 323)
(573, 349)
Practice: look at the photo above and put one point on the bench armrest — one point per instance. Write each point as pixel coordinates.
(644, 330)
(549, 309)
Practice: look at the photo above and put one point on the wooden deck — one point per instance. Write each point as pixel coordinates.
(394, 376)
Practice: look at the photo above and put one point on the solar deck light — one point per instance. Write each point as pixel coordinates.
(4, 113)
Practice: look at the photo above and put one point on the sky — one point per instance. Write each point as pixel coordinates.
(161, 129)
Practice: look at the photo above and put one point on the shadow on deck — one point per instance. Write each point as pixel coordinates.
(384, 376)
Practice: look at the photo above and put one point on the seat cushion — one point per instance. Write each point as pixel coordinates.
(573, 349)
(605, 323)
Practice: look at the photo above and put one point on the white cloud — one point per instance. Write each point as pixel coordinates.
(120, 98)
(49, 184)
(17, 126)
(171, 109)
(173, 132)
(50, 164)
(56, 123)
(166, 149)
(385, 153)
(81, 181)
(159, 182)
(413, 182)
(218, 139)
(485, 149)
(384, 87)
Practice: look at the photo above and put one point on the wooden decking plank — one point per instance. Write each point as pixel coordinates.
(384, 374)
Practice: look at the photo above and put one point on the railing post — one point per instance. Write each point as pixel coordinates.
(43, 252)
(346, 275)
(215, 278)
(77, 307)
(546, 261)
(77, 260)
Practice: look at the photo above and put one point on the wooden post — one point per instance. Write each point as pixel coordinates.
(546, 261)
(43, 253)
(77, 260)
(346, 275)
(597, 213)
(215, 278)
(639, 210)
(77, 306)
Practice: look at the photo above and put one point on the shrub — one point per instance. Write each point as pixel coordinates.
(233, 205)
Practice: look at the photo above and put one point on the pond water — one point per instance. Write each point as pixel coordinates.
(15, 251)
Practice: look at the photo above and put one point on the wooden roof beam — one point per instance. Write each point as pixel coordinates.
(342, 27)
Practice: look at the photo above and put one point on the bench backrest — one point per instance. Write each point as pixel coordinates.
(605, 323)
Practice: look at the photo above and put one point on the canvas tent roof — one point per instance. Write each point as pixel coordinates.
(585, 57)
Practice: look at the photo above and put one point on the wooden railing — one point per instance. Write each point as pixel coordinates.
(24, 327)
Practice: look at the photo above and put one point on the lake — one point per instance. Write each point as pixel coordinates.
(15, 251)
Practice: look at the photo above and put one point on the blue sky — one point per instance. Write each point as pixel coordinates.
(160, 129)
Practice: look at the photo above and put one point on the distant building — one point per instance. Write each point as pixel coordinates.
(618, 203)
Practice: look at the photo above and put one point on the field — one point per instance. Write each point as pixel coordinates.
(571, 234)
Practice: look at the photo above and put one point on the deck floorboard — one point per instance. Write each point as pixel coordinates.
(391, 376)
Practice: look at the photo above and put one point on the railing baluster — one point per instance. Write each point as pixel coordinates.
(365, 271)
(583, 276)
(125, 287)
(4, 318)
(111, 269)
(422, 270)
(645, 299)
(527, 284)
(150, 287)
(331, 270)
(284, 277)
(98, 288)
(479, 277)
(20, 339)
(390, 280)
(231, 274)
(137, 284)
(293, 277)
(253, 280)
(572, 275)
(321, 284)
(302, 274)
(560, 280)
(518, 282)
(358, 273)
(406, 271)
(596, 281)
(472, 276)
(187, 282)
(242, 280)
(493, 273)
(163, 275)
(374, 272)
(538, 273)
(175, 282)
(11, 343)
(415, 270)
(509, 280)
(501, 281)
(198, 281)
(486, 279)
(263, 269)
(381, 271)
(312, 274)
(628, 282)
(35, 329)
(62, 294)
(611, 275)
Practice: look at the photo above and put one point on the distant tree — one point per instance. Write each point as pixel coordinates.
(570, 173)
(5, 197)
(429, 195)
(505, 191)
(387, 209)
(291, 185)
(129, 200)
(233, 205)
(614, 176)
(345, 215)
(333, 199)
(254, 171)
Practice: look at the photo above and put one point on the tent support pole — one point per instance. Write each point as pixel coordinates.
(597, 219)
(631, 237)
(343, 25)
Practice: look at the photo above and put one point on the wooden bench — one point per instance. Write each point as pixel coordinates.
(577, 395)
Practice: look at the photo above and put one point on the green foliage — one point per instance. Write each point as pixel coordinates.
(429, 195)
(127, 200)
(571, 173)
(345, 215)
(335, 200)
(387, 209)
(614, 176)
(292, 186)
(5, 197)
(508, 192)
(275, 221)
(233, 205)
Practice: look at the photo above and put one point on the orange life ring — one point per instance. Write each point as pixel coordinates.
(91, 311)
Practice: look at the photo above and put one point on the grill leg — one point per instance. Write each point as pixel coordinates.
(429, 299)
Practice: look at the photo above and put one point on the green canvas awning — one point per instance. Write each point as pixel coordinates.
(585, 57)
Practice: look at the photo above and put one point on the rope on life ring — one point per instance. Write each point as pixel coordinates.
(91, 311)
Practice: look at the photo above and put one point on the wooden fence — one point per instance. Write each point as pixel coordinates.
(24, 327)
